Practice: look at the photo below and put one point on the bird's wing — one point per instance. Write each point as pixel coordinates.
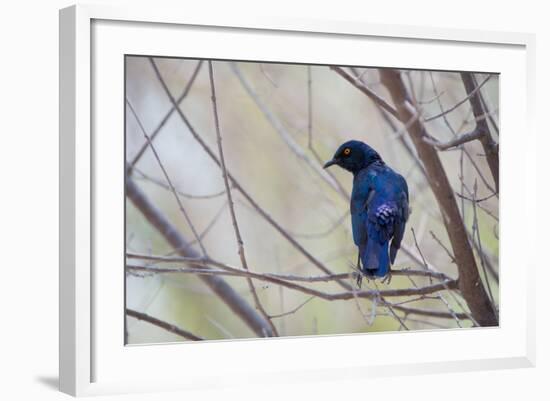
(401, 220)
(363, 192)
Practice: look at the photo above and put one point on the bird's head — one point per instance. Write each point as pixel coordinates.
(354, 156)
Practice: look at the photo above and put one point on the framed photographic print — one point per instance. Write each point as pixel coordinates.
(242, 194)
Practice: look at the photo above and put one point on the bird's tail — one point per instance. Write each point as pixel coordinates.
(375, 259)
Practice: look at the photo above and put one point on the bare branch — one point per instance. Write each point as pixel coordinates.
(311, 279)
(449, 253)
(170, 233)
(443, 300)
(204, 232)
(477, 200)
(428, 312)
(275, 279)
(267, 76)
(475, 231)
(401, 138)
(161, 184)
(309, 108)
(239, 188)
(474, 91)
(180, 205)
(165, 118)
(489, 145)
(162, 324)
(359, 85)
(460, 140)
(283, 133)
(238, 237)
(325, 232)
(292, 311)
(469, 280)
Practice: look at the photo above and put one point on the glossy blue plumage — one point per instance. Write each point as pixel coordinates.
(379, 206)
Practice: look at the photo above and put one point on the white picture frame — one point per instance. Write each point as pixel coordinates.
(93, 359)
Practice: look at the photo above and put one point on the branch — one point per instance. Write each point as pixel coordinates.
(463, 149)
(469, 279)
(489, 145)
(285, 135)
(170, 233)
(172, 189)
(204, 232)
(401, 138)
(165, 118)
(310, 146)
(428, 312)
(310, 279)
(238, 237)
(232, 271)
(159, 183)
(238, 187)
(460, 140)
(292, 311)
(475, 233)
(456, 106)
(162, 324)
(276, 279)
(359, 85)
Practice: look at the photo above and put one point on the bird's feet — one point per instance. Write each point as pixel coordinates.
(387, 278)
(359, 275)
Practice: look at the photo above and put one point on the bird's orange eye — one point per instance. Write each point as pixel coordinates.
(347, 151)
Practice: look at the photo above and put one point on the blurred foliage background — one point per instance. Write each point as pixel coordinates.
(290, 190)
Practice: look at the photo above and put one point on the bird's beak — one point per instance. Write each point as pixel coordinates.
(330, 163)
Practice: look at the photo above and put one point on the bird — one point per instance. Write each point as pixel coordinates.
(379, 207)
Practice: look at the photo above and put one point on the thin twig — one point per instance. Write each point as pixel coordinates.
(309, 108)
(443, 300)
(401, 138)
(453, 260)
(475, 231)
(457, 105)
(325, 232)
(170, 233)
(238, 237)
(432, 313)
(276, 279)
(369, 320)
(204, 232)
(390, 308)
(359, 85)
(267, 76)
(292, 311)
(167, 177)
(476, 200)
(490, 147)
(455, 135)
(238, 187)
(162, 324)
(282, 131)
(310, 146)
(166, 117)
(460, 140)
(310, 279)
(187, 195)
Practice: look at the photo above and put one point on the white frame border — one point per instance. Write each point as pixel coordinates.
(75, 168)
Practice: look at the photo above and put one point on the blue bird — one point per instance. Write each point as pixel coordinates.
(379, 207)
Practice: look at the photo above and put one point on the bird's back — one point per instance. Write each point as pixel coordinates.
(379, 209)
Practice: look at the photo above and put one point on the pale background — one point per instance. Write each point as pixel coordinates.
(29, 166)
(307, 208)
